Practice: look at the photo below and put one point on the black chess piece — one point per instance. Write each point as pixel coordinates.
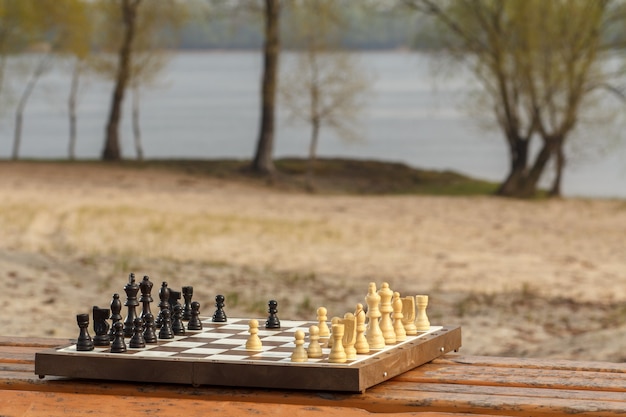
(116, 309)
(137, 341)
(84, 342)
(118, 345)
(164, 296)
(272, 320)
(149, 333)
(166, 326)
(174, 300)
(101, 326)
(187, 295)
(145, 286)
(178, 327)
(194, 322)
(131, 289)
(219, 316)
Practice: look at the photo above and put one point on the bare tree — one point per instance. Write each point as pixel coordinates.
(263, 161)
(327, 86)
(538, 63)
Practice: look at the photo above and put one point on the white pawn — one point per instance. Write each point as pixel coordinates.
(337, 354)
(421, 322)
(398, 327)
(321, 319)
(315, 349)
(334, 320)
(254, 342)
(299, 353)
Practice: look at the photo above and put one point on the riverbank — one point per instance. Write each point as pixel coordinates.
(542, 278)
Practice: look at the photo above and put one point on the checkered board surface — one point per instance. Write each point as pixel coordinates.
(225, 342)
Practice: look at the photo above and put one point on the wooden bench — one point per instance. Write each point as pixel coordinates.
(453, 385)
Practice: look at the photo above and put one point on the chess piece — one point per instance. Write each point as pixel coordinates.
(299, 354)
(386, 325)
(421, 321)
(315, 349)
(349, 335)
(272, 320)
(145, 286)
(166, 331)
(361, 345)
(131, 289)
(337, 354)
(101, 326)
(408, 315)
(194, 322)
(334, 320)
(373, 333)
(254, 342)
(149, 331)
(321, 322)
(84, 342)
(219, 316)
(178, 327)
(116, 309)
(398, 326)
(118, 345)
(164, 304)
(137, 341)
(174, 300)
(187, 296)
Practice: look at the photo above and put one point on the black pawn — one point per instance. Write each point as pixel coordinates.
(164, 296)
(84, 342)
(272, 320)
(101, 326)
(116, 309)
(137, 341)
(118, 345)
(219, 316)
(187, 295)
(194, 322)
(166, 326)
(149, 332)
(145, 286)
(131, 289)
(178, 327)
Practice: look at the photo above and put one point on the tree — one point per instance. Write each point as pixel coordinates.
(129, 10)
(326, 87)
(539, 65)
(263, 162)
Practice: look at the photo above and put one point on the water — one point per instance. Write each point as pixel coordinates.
(206, 105)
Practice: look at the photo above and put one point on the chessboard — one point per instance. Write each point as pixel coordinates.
(217, 355)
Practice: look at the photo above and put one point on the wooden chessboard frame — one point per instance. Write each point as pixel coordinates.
(356, 377)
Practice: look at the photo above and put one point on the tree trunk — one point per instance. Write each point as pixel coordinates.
(559, 154)
(263, 160)
(312, 154)
(531, 180)
(30, 86)
(136, 127)
(71, 104)
(519, 161)
(111, 151)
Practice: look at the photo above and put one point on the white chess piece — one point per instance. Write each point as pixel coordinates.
(386, 325)
(361, 345)
(321, 322)
(398, 327)
(254, 342)
(299, 353)
(421, 322)
(373, 333)
(408, 315)
(349, 335)
(337, 354)
(315, 349)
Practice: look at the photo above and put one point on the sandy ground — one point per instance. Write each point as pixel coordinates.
(522, 278)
